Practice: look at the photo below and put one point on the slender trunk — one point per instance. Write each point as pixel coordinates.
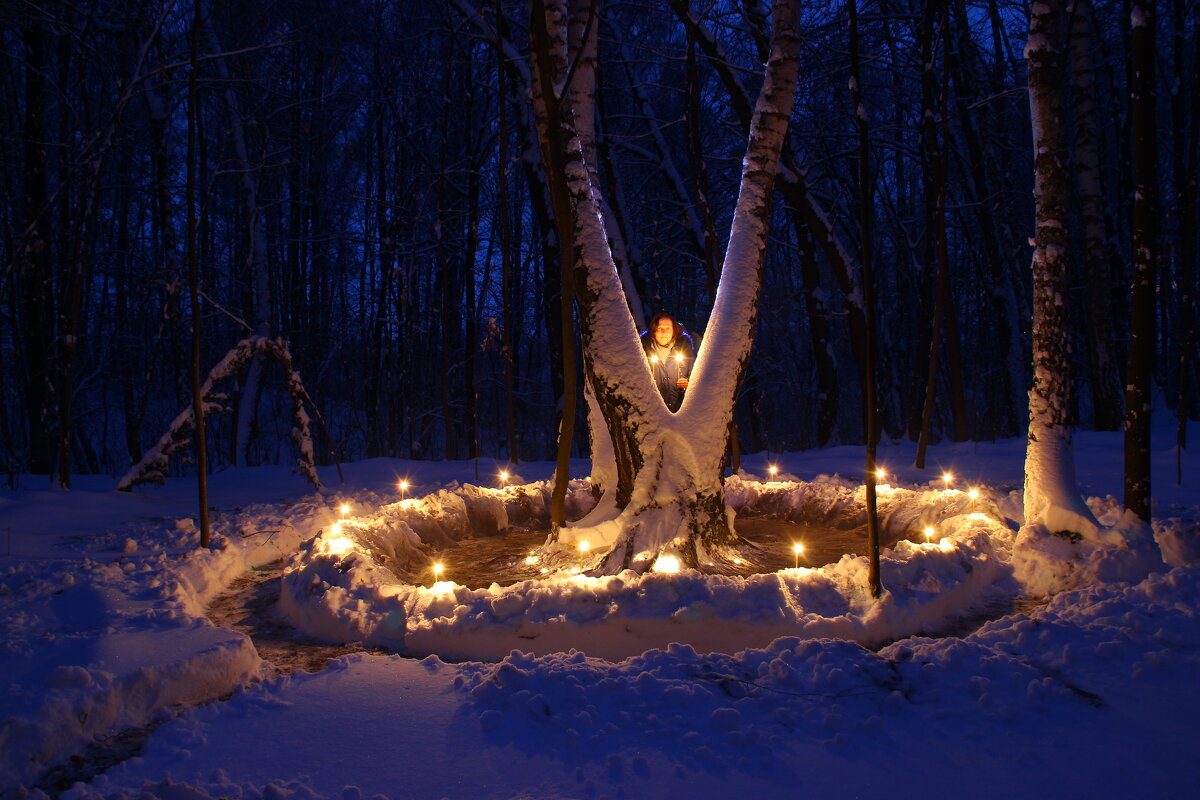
(865, 210)
(194, 279)
(1106, 379)
(549, 67)
(1140, 376)
(1186, 181)
(36, 266)
(506, 289)
(1002, 328)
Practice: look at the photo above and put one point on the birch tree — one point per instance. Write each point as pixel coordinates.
(668, 497)
(1052, 501)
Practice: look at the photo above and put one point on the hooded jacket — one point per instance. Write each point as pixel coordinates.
(669, 364)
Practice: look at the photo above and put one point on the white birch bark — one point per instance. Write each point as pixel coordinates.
(675, 503)
(1052, 501)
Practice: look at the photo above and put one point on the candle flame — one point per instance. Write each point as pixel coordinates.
(345, 509)
(797, 548)
(583, 547)
(928, 533)
(666, 564)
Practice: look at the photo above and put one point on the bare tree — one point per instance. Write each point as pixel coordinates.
(1140, 375)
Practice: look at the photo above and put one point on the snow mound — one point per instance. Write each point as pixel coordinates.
(1123, 549)
(340, 589)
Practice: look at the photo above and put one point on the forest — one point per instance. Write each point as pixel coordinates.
(360, 186)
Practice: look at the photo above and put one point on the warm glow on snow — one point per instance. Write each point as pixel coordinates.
(339, 546)
(666, 564)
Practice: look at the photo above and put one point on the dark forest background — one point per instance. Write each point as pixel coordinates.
(368, 187)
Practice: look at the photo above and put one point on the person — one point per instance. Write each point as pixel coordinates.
(670, 353)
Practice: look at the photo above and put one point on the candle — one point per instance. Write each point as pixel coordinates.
(797, 549)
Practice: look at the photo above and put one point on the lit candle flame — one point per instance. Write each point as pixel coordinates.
(948, 478)
(583, 547)
(345, 509)
(974, 494)
(797, 549)
(929, 533)
(881, 473)
(774, 470)
(504, 475)
(679, 358)
(653, 359)
(666, 564)
(404, 486)
(437, 569)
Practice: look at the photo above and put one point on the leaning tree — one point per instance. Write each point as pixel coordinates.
(667, 494)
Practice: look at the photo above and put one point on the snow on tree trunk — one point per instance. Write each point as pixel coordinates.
(1051, 499)
(1060, 544)
(669, 492)
(152, 468)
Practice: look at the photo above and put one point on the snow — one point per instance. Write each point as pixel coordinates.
(792, 682)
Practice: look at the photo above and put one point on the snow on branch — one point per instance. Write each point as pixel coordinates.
(152, 468)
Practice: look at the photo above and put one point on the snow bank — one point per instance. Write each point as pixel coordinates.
(1122, 549)
(93, 646)
(338, 589)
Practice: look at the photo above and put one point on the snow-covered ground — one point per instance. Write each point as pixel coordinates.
(103, 598)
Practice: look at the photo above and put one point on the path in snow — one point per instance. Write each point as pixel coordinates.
(249, 607)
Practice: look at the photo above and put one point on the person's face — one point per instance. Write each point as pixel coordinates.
(664, 332)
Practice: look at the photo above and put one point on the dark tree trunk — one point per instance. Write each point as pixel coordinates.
(1140, 376)
(865, 184)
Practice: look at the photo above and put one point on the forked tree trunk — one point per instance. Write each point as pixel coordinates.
(669, 493)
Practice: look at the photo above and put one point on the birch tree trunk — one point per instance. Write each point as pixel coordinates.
(669, 495)
(1052, 500)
